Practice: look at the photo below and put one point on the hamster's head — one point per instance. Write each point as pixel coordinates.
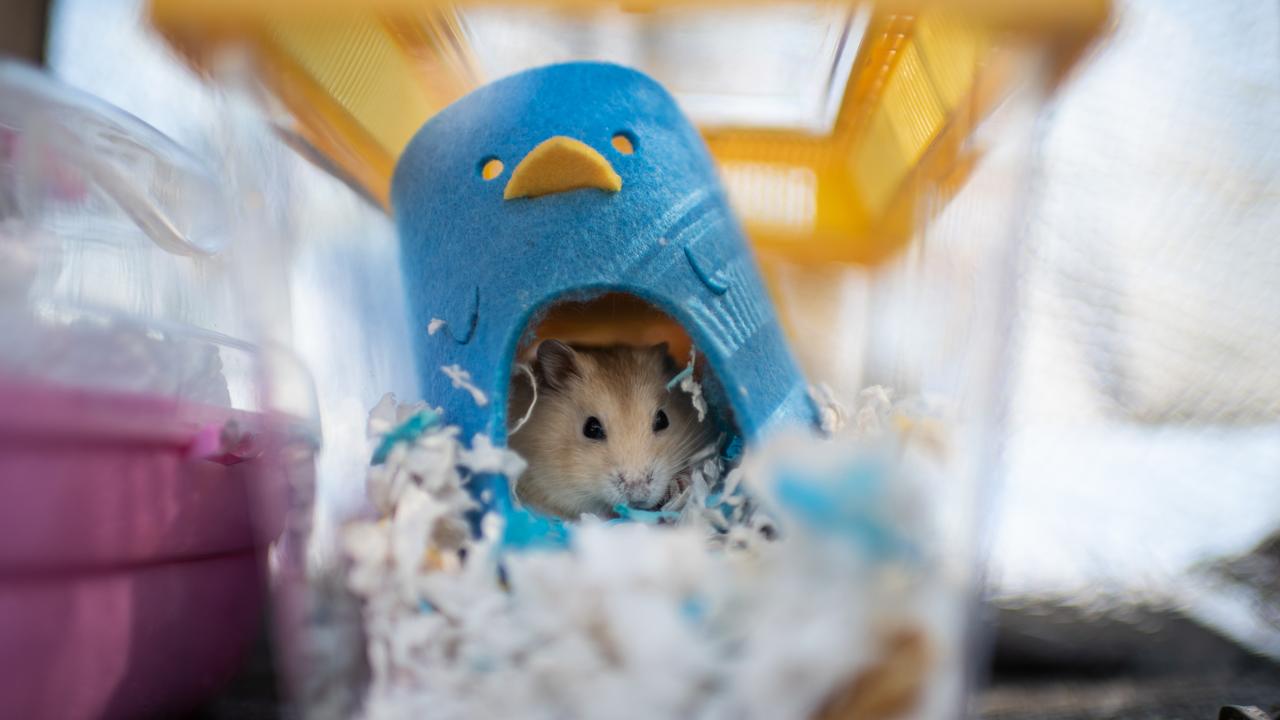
(605, 430)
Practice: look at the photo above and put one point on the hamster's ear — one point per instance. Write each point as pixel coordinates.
(557, 364)
(663, 351)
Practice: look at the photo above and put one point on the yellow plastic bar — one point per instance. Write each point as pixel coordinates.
(358, 84)
(914, 81)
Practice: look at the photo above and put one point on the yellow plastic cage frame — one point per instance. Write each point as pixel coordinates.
(359, 79)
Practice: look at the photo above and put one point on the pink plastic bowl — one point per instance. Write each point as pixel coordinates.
(130, 567)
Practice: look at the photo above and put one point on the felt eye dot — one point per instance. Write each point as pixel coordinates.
(490, 168)
(624, 142)
(592, 429)
(660, 422)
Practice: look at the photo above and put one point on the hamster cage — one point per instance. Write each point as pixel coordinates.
(816, 201)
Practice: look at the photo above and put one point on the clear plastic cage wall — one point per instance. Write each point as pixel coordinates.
(867, 165)
(139, 436)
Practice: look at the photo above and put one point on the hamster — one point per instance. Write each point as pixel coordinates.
(604, 429)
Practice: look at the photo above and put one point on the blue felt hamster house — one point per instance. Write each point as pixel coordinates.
(564, 183)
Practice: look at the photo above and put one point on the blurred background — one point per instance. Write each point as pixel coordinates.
(1134, 560)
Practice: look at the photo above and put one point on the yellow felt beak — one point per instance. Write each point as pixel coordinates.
(560, 164)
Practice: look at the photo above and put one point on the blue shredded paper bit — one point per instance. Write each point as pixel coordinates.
(648, 517)
(680, 376)
(694, 609)
(733, 450)
(525, 530)
(849, 507)
(407, 431)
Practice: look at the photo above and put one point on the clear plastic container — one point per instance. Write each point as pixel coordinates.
(881, 193)
(140, 445)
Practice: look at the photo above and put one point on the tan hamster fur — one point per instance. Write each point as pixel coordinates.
(604, 429)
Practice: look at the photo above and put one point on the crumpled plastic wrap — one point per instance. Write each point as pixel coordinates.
(107, 352)
(750, 601)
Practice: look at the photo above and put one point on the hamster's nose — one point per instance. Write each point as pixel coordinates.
(560, 164)
(632, 481)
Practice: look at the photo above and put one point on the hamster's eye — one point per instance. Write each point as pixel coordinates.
(660, 421)
(624, 142)
(490, 168)
(592, 429)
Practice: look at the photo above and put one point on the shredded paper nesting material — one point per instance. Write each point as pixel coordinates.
(767, 589)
